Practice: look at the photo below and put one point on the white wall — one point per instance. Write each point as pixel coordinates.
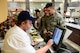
(17, 5)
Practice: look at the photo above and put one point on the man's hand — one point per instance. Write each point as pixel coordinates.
(50, 33)
(50, 43)
(46, 47)
(45, 31)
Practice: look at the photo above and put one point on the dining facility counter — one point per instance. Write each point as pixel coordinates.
(68, 41)
(76, 26)
(74, 38)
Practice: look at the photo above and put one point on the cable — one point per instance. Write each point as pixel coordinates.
(65, 49)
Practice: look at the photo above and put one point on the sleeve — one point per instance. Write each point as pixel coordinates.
(20, 45)
(61, 21)
(43, 23)
(56, 20)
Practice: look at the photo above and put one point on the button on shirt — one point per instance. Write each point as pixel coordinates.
(17, 41)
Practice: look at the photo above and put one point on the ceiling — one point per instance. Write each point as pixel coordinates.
(42, 0)
(45, 0)
(74, 4)
(35, 0)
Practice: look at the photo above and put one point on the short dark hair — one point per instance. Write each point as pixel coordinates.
(18, 23)
(48, 5)
(37, 10)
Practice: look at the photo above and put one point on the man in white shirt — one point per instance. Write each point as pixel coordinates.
(18, 41)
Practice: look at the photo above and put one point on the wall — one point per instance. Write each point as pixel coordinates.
(3, 10)
(16, 5)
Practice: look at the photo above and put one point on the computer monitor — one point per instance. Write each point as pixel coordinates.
(57, 37)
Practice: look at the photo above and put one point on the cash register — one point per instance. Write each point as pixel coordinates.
(57, 37)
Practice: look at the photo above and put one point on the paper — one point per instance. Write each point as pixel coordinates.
(67, 34)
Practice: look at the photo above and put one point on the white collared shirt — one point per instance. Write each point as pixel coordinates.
(17, 41)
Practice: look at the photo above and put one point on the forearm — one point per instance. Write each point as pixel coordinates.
(43, 50)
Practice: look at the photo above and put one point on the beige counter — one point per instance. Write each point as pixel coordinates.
(74, 45)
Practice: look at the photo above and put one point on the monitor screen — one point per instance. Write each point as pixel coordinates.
(57, 35)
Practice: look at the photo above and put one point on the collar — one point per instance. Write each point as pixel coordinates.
(19, 30)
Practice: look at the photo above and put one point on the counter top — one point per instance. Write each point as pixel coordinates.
(76, 26)
(74, 45)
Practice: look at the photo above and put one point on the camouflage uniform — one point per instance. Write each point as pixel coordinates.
(49, 23)
(54, 20)
(43, 26)
(43, 23)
